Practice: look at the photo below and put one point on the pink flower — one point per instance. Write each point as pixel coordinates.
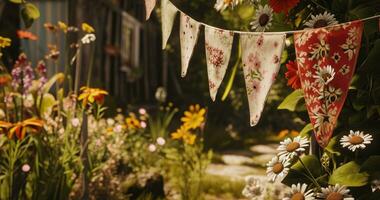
(160, 141)
(143, 124)
(142, 111)
(25, 168)
(152, 148)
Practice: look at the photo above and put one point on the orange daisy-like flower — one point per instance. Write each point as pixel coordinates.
(282, 5)
(132, 122)
(292, 75)
(20, 129)
(91, 95)
(194, 117)
(26, 35)
(184, 134)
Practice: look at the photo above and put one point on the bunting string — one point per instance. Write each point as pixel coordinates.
(326, 58)
(277, 32)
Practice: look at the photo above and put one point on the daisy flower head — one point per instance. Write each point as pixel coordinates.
(263, 18)
(292, 75)
(292, 147)
(324, 75)
(252, 187)
(356, 140)
(277, 168)
(221, 5)
(299, 192)
(321, 20)
(335, 192)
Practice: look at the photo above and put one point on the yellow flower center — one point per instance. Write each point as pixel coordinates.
(334, 196)
(277, 168)
(298, 196)
(292, 146)
(356, 140)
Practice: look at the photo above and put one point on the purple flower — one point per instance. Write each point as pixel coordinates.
(22, 74)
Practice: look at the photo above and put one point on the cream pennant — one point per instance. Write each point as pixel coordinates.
(189, 29)
(168, 13)
(261, 55)
(149, 6)
(218, 44)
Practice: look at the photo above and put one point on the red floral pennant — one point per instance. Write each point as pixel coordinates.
(326, 60)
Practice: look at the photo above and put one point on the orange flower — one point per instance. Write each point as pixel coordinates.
(4, 126)
(4, 79)
(21, 128)
(282, 5)
(26, 35)
(292, 75)
(91, 95)
(50, 27)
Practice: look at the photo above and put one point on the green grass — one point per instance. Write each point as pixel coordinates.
(222, 187)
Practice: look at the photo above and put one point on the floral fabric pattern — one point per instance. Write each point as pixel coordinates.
(326, 59)
(188, 35)
(218, 51)
(261, 55)
(168, 13)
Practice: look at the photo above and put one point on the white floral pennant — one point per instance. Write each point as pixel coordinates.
(261, 55)
(218, 51)
(188, 34)
(168, 13)
(149, 6)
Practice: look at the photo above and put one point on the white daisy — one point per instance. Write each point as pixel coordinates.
(324, 75)
(321, 20)
(221, 5)
(263, 18)
(277, 168)
(290, 148)
(335, 192)
(252, 189)
(299, 192)
(356, 140)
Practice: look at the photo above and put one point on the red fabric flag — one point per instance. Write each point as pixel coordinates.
(326, 59)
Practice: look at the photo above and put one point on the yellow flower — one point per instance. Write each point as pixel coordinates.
(87, 28)
(5, 42)
(194, 117)
(90, 95)
(132, 122)
(184, 134)
(62, 26)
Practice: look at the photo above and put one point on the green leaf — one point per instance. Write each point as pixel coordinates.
(232, 77)
(333, 146)
(17, 1)
(29, 13)
(349, 175)
(291, 101)
(48, 101)
(56, 78)
(32, 11)
(305, 131)
(311, 162)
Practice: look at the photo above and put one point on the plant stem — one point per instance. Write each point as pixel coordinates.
(311, 175)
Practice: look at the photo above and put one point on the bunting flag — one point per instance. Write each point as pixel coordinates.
(168, 13)
(188, 35)
(218, 44)
(326, 60)
(261, 56)
(149, 6)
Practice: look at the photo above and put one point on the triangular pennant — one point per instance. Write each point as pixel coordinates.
(261, 56)
(188, 35)
(168, 13)
(149, 6)
(218, 51)
(326, 60)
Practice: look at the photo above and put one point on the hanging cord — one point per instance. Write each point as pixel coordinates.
(274, 33)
